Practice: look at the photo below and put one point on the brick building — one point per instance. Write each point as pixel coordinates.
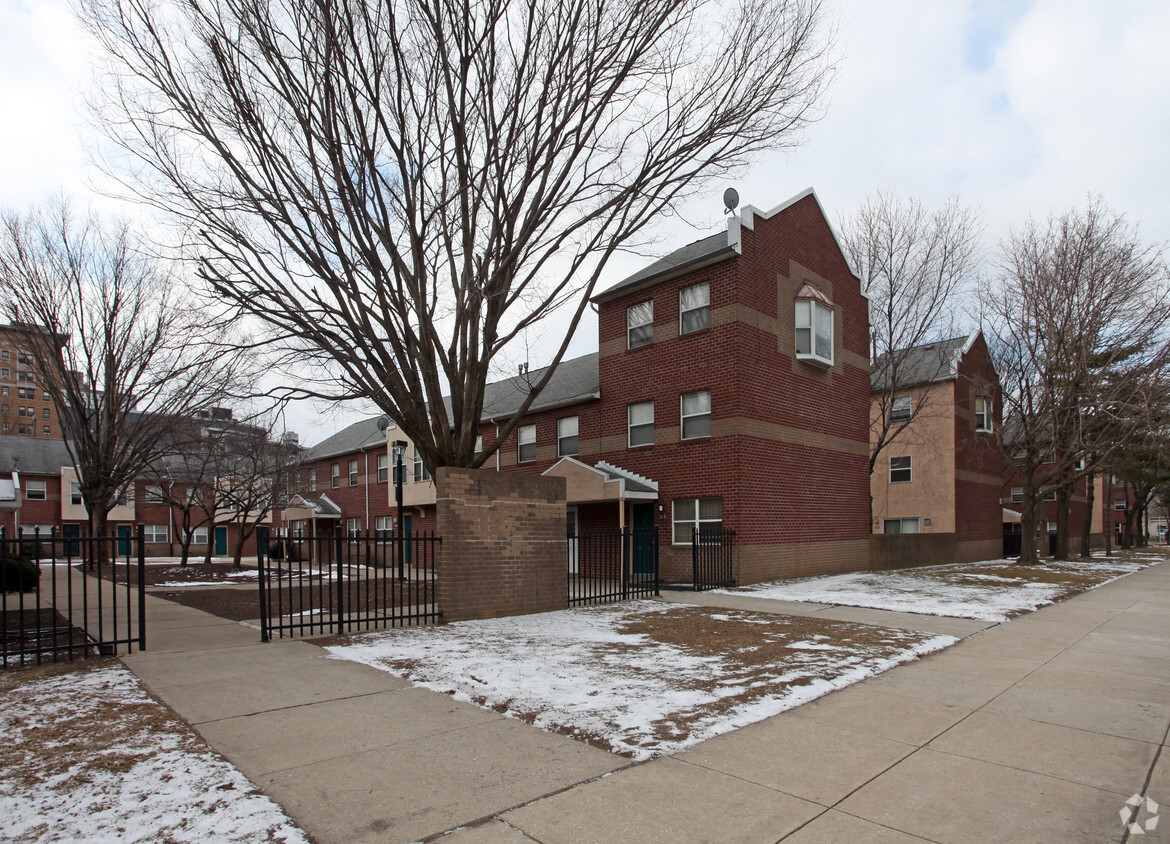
(26, 409)
(942, 474)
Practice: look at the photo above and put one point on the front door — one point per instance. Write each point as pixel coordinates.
(643, 539)
(221, 541)
(571, 521)
(70, 533)
(124, 534)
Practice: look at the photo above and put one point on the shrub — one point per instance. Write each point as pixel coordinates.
(19, 571)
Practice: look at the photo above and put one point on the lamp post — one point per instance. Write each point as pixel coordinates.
(399, 452)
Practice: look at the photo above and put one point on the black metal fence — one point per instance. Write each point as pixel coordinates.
(712, 551)
(68, 597)
(612, 565)
(1013, 544)
(321, 585)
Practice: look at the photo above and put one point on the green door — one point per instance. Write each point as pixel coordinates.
(643, 539)
(124, 534)
(220, 541)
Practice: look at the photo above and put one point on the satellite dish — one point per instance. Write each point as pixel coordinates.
(730, 199)
(383, 423)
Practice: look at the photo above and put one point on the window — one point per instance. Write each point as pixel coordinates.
(4, 391)
(1050, 495)
(43, 531)
(335, 475)
(23, 429)
(703, 514)
(398, 464)
(694, 308)
(122, 497)
(4, 409)
(46, 431)
(5, 374)
(353, 473)
(199, 536)
(5, 427)
(641, 423)
(901, 409)
(36, 490)
(478, 446)
(5, 356)
(45, 412)
(420, 469)
(814, 331)
(156, 533)
(526, 444)
(20, 410)
(353, 527)
(75, 494)
(47, 396)
(1118, 504)
(24, 376)
(567, 436)
(900, 525)
(383, 527)
(153, 494)
(900, 470)
(640, 324)
(982, 413)
(383, 468)
(21, 393)
(1017, 494)
(312, 480)
(696, 415)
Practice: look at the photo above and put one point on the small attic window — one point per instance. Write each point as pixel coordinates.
(814, 326)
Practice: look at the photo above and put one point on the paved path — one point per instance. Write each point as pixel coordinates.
(1035, 730)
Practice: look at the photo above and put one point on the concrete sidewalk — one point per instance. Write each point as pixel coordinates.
(1038, 729)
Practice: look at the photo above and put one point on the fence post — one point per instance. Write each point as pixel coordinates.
(141, 587)
(262, 577)
(339, 608)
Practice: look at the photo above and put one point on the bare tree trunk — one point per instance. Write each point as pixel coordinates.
(1063, 500)
(1028, 553)
(1087, 531)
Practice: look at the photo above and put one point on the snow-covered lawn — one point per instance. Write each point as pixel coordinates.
(87, 755)
(995, 590)
(642, 678)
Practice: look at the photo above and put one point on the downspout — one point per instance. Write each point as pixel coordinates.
(366, 455)
(497, 450)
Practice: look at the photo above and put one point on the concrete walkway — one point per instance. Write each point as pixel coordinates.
(1035, 730)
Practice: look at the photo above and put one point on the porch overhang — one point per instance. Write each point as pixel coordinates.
(585, 484)
(312, 509)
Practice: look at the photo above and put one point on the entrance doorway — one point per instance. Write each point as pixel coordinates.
(124, 534)
(643, 539)
(221, 541)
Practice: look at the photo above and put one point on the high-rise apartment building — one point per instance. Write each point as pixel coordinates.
(26, 407)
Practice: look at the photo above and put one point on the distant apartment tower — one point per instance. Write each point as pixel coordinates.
(26, 407)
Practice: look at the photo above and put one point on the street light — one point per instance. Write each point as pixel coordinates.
(399, 452)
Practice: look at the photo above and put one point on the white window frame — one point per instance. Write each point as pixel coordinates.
(1050, 495)
(421, 474)
(353, 527)
(568, 429)
(383, 527)
(313, 479)
(150, 533)
(685, 417)
(1017, 494)
(641, 427)
(983, 419)
(152, 494)
(807, 320)
(478, 445)
(901, 409)
(383, 468)
(696, 520)
(902, 524)
(335, 475)
(638, 318)
(701, 308)
(44, 531)
(1118, 504)
(40, 488)
(908, 468)
(75, 496)
(526, 438)
(353, 473)
(198, 535)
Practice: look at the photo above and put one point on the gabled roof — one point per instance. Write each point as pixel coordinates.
(573, 381)
(33, 456)
(360, 436)
(322, 506)
(926, 364)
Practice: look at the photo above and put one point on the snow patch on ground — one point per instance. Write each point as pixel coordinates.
(582, 672)
(88, 756)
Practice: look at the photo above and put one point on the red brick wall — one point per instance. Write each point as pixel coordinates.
(978, 489)
(503, 550)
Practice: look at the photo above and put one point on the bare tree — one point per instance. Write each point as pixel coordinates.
(399, 189)
(1077, 321)
(184, 480)
(128, 358)
(915, 266)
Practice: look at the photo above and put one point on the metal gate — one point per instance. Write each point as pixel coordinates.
(68, 597)
(322, 585)
(612, 565)
(711, 557)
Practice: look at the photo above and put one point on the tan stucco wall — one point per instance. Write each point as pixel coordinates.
(76, 512)
(930, 442)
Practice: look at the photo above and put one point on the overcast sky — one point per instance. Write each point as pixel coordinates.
(1021, 108)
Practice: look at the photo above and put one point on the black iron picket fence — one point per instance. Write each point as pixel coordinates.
(612, 565)
(712, 551)
(346, 583)
(63, 598)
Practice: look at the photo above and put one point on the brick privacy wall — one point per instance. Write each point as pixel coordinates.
(503, 549)
(775, 493)
(909, 550)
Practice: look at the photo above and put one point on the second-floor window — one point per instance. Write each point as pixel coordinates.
(1017, 494)
(420, 468)
(75, 494)
(696, 415)
(353, 473)
(383, 468)
(641, 423)
(567, 436)
(901, 469)
(640, 324)
(335, 475)
(312, 480)
(901, 409)
(153, 494)
(814, 331)
(36, 490)
(982, 413)
(526, 444)
(694, 308)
